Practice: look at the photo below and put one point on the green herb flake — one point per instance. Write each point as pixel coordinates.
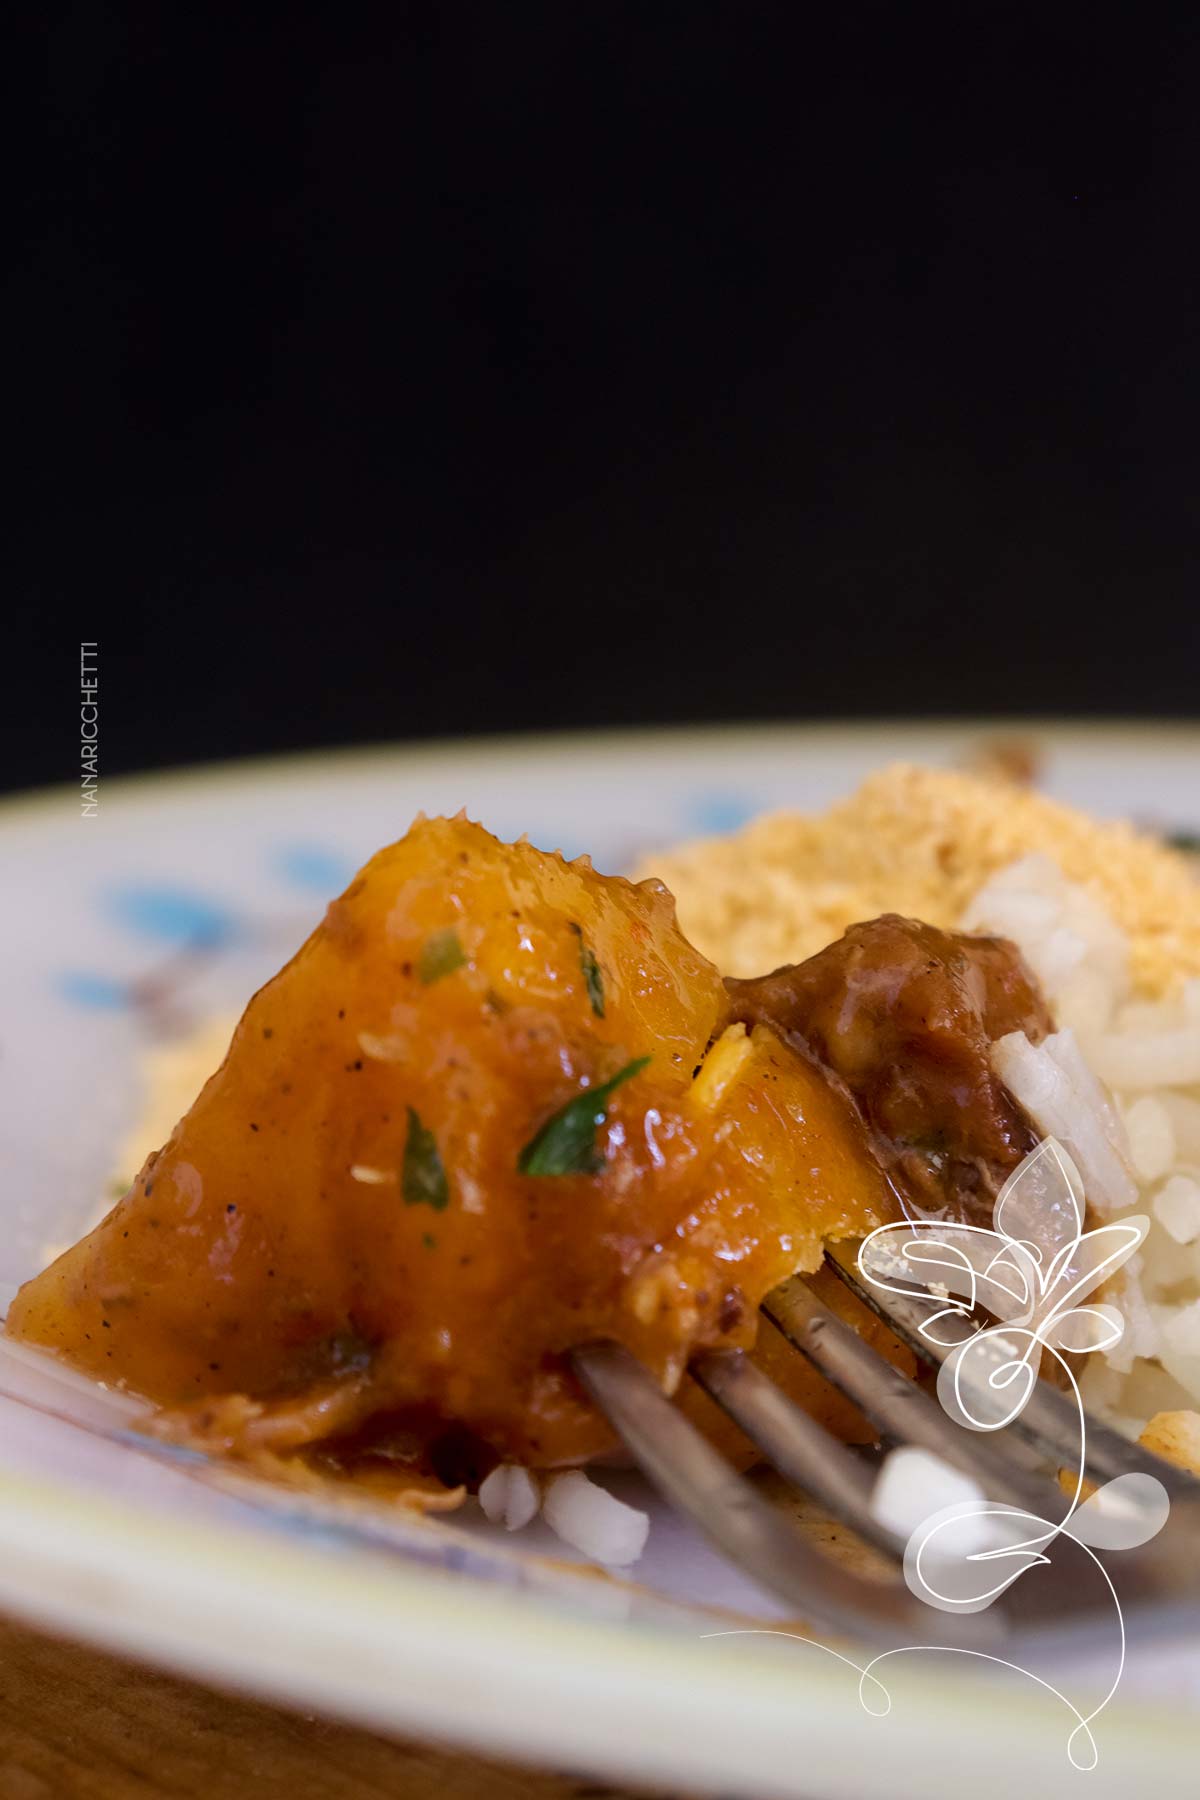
(593, 979)
(440, 955)
(422, 1176)
(566, 1143)
(429, 1241)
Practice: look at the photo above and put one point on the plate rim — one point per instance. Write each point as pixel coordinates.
(635, 1703)
(146, 785)
(1133, 1732)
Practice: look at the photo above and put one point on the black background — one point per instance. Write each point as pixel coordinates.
(376, 372)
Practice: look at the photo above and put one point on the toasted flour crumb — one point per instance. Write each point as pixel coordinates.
(922, 842)
(1175, 1436)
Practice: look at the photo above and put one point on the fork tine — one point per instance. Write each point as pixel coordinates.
(698, 1481)
(801, 1450)
(686, 1469)
(895, 1404)
(1049, 1420)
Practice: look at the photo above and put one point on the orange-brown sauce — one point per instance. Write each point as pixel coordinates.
(338, 1252)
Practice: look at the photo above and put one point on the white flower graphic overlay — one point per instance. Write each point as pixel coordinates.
(1000, 1301)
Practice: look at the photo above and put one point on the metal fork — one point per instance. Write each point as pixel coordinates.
(691, 1474)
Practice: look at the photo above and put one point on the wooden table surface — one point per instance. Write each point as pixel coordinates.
(76, 1724)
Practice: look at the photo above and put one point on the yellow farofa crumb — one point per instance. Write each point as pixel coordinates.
(1175, 1436)
(922, 842)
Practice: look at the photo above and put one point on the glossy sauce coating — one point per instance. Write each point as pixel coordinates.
(337, 1247)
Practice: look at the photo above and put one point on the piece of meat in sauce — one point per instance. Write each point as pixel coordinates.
(906, 1015)
(489, 1111)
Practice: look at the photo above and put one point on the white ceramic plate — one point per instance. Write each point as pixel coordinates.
(172, 903)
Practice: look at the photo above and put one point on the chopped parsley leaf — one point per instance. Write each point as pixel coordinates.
(566, 1143)
(440, 955)
(593, 980)
(422, 1176)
